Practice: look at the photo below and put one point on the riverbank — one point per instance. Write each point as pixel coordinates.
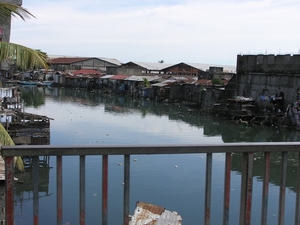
(238, 110)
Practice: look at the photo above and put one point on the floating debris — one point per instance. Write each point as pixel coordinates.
(148, 214)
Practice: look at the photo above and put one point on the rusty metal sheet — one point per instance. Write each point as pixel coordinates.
(281, 208)
(227, 189)
(126, 189)
(208, 188)
(59, 196)
(149, 214)
(104, 189)
(82, 190)
(265, 194)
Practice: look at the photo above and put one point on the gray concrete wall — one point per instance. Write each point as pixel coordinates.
(281, 64)
(255, 85)
(124, 71)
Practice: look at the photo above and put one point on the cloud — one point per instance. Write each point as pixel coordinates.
(191, 31)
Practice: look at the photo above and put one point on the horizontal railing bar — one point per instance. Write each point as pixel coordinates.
(47, 150)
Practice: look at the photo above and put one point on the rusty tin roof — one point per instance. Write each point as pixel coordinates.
(149, 214)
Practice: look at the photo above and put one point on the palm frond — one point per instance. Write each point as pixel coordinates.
(7, 10)
(6, 140)
(24, 57)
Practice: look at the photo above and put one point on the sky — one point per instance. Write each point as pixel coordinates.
(190, 31)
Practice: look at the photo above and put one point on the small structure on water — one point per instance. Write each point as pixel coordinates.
(236, 108)
(29, 129)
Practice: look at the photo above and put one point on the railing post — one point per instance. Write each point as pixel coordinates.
(82, 190)
(265, 190)
(208, 188)
(282, 188)
(59, 189)
(297, 213)
(35, 160)
(246, 188)
(9, 190)
(104, 188)
(227, 188)
(126, 188)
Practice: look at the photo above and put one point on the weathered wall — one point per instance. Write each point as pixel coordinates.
(281, 64)
(255, 85)
(209, 97)
(124, 70)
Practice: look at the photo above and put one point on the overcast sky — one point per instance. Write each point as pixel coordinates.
(192, 31)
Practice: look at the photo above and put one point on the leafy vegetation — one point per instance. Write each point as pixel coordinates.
(5, 140)
(216, 81)
(14, 54)
(146, 83)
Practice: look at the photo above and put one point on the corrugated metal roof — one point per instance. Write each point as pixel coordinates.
(169, 81)
(205, 66)
(160, 84)
(204, 82)
(111, 60)
(107, 76)
(68, 60)
(151, 66)
(149, 214)
(141, 78)
(119, 77)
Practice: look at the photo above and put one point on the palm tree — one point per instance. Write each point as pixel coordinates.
(24, 57)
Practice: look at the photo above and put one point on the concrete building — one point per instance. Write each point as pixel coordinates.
(76, 63)
(139, 68)
(266, 77)
(276, 64)
(202, 71)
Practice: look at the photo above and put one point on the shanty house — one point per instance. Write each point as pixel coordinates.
(86, 78)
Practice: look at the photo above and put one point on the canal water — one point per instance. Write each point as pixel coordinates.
(176, 182)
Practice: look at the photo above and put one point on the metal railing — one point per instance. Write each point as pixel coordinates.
(246, 149)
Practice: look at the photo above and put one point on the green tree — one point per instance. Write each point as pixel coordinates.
(146, 83)
(216, 81)
(24, 57)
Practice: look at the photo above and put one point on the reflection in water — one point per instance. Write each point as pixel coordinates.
(24, 187)
(212, 126)
(129, 110)
(32, 96)
(230, 132)
(275, 165)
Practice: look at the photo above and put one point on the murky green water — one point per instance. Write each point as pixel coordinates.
(82, 117)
